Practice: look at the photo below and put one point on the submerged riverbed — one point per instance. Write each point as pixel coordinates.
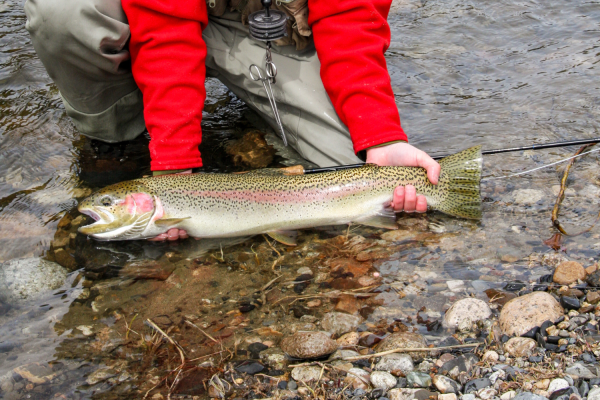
(76, 315)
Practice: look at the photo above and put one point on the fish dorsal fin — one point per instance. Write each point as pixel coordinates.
(293, 170)
(286, 237)
(164, 222)
(386, 218)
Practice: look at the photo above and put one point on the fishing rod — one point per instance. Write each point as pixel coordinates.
(485, 152)
(532, 147)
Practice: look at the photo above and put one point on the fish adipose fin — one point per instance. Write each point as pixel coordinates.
(286, 237)
(459, 184)
(164, 222)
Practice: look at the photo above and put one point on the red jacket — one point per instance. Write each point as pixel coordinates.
(168, 53)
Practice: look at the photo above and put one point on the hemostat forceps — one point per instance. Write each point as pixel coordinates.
(271, 72)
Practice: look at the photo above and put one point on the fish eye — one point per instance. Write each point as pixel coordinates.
(106, 201)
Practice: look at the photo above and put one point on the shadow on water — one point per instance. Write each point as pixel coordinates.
(73, 311)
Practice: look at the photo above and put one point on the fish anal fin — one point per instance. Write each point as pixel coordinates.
(164, 222)
(285, 237)
(380, 221)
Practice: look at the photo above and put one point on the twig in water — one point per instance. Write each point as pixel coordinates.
(559, 198)
(174, 343)
(271, 246)
(255, 255)
(405, 350)
(201, 330)
(275, 263)
(265, 287)
(128, 326)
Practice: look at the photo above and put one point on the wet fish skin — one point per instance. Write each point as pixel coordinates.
(266, 201)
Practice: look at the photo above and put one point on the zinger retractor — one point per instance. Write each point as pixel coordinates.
(267, 25)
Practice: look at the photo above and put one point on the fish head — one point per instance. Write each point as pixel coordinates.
(121, 211)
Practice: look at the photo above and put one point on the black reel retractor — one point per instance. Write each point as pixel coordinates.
(267, 25)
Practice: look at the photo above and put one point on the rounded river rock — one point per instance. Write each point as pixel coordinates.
(568, 272)
(469, 308)
(526, 312)
(308, 345)
(403, 340)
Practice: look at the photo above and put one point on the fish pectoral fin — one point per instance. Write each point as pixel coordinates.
(164, 222)
(286, 237)
(386, 221)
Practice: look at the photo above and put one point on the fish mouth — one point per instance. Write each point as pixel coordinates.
(92, 214)
(104, 221)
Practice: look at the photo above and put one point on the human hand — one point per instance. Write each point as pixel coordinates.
(173, 233)
(404, 155)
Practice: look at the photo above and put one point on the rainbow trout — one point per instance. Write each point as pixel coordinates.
(270, 201)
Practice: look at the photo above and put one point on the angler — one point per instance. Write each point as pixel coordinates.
(314, 70)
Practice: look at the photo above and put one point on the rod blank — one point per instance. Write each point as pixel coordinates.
(484, 152)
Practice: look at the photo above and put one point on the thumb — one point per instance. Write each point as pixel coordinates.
(431, 166)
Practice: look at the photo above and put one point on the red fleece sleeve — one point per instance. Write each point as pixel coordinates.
(351, 37)
(168, 56)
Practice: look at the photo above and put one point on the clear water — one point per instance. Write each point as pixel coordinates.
(495, 73)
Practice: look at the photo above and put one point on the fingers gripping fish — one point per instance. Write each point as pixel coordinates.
(264, 201)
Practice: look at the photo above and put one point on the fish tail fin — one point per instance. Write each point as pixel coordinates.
(458, 185)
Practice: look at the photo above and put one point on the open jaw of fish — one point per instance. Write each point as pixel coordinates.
(272, 202)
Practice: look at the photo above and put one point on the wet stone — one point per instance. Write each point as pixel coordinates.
(593, 297)
(257, 347)
(557, 384)
(250, 367)
(535, 359)
(309, 345)
(348, 339)
(477, 384)
(520, 346)
(528, 396)
(568, 272)
(583, 388)
(582, 371)
(454, 367)
(594, 394)
(403, 340)
(445, 384)
(587, 357)
(569, 303)
(468, 309)
(418, 379)
(358, 378)
(395, 362)
(305, 374)
(526, 312)
(29, 278)
(99, 376)
(339, 323)
(514, 286)
(383, 380)
(347, 304)
(594, 279)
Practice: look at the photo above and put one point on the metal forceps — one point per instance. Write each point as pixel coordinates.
(271, 72)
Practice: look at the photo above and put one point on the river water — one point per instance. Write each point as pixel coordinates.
(494, 73)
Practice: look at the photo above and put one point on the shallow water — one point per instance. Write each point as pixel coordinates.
(491, 73)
